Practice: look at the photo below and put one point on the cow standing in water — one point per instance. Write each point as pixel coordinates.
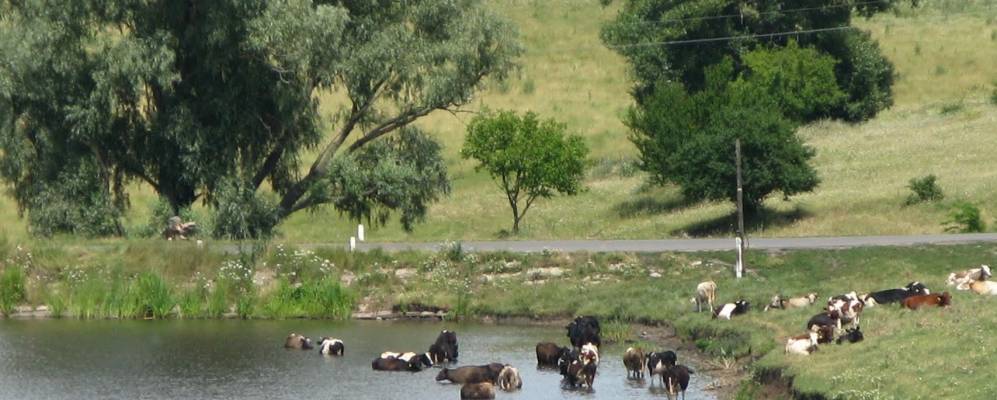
(445, 347)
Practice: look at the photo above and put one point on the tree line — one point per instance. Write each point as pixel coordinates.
(218, 102)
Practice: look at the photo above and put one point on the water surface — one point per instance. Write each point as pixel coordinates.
(69, 359)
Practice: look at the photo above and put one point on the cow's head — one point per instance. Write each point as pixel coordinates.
(985, 272)
(775, 303)
(944, 299)
(917, 287)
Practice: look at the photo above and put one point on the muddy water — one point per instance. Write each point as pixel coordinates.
(67, 359)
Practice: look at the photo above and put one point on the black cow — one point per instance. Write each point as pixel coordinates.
(895, 295)
(331, 346)
(824, 319)
(549, 353)
(659, 362)
(395, 364)
(584, 330)
(445, 347)
(676, 379)
(852, 335)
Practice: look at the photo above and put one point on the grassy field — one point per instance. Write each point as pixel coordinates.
(931, 353)
(943, 123)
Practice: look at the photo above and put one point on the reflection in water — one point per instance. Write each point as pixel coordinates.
(68, 359)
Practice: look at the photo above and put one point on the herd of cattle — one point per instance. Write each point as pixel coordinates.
(578, 363)
(846, 309)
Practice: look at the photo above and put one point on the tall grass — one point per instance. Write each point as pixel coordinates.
(151, 297)
(12, 289)
(315, 299)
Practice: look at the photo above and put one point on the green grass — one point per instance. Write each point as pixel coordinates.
(567, 74)
(12, 288)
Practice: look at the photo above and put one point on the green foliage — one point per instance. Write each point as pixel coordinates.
(964, 218)
(243, 213)
(993, 96)
(801, 79)
(75, 202)
(530, 158)
(616, 331)
(151, 296)
(12, 289)
(924, 189)
(321, 299)
(190, 98)
(404, 172)
(688, 139)
(861, 71)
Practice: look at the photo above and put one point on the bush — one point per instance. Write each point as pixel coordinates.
(241, 213)
(964, 218)
(924, 189)
(12, 290)
(151, 297)
(993, 97)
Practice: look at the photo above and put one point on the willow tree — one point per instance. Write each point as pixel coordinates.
(219, 101)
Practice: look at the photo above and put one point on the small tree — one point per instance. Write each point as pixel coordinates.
(528, 157)
(688, 139)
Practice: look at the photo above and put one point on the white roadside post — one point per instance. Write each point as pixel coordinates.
(353, 243)
(739, 265)
(360, 235)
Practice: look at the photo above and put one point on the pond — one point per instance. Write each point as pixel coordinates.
(70, 359)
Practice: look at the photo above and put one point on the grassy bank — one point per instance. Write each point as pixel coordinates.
(931, 353)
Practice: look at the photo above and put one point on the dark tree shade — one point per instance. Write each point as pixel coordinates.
(861, 71)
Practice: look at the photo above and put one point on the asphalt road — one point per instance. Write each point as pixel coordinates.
(688, 245)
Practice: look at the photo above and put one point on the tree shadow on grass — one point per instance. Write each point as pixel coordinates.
(651, 204)
(727, 224)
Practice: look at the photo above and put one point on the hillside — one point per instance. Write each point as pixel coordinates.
(943, 123)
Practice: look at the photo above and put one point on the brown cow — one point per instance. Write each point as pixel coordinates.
(477, 391)
(472, 374)
(941, 300)
(633, 359)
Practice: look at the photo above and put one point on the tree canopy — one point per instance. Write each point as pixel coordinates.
(643, 27)
(194, 98)
(688, 139)
(530, 158)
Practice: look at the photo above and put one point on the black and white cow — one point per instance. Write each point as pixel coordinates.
(729, 310)
(395, 364)
(659, 362)
(331, 346)
(895, 295)
(423, 359)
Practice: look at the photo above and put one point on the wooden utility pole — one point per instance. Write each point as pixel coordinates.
(739, 268)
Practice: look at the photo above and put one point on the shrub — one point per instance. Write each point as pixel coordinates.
(993, 97)
(12, 290)
(952, 108)
(242, 213)
(964, 218)
(924, 189)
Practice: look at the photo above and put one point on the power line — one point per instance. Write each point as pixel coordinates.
(742, 15)
(726, 38)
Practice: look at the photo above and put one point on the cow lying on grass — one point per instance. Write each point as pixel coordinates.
(940, 300)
